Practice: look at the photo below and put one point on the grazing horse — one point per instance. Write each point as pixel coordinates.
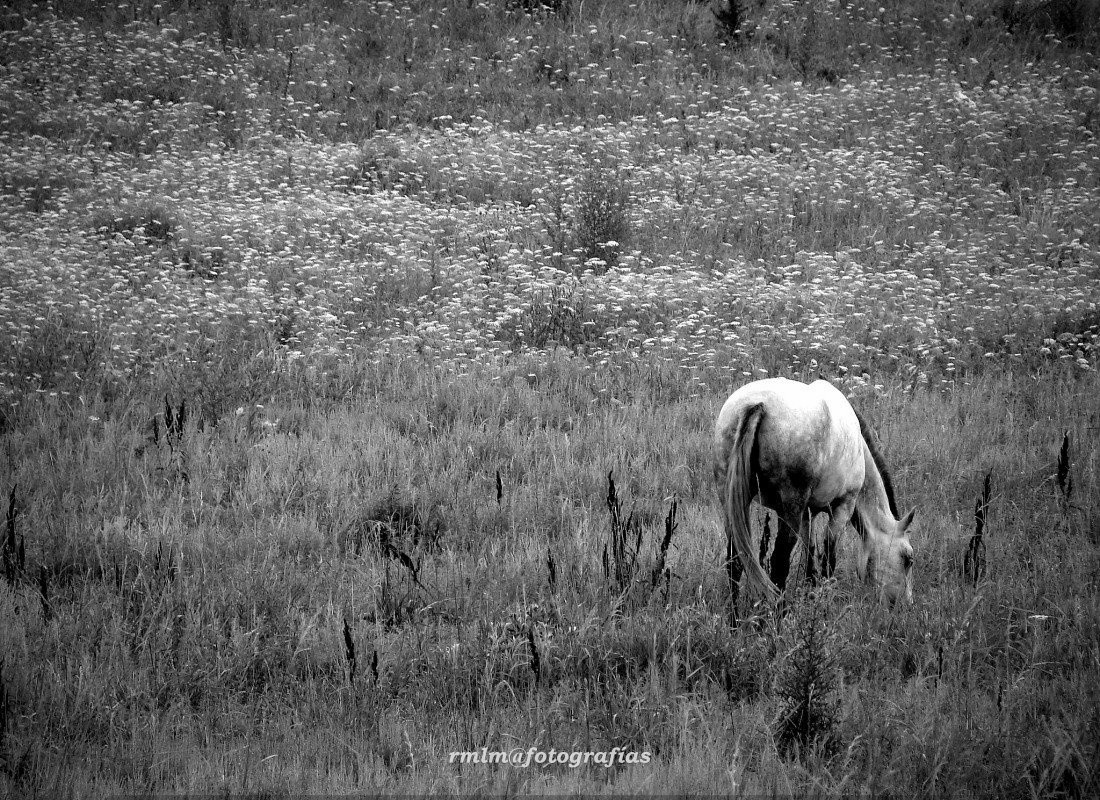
(803, 449)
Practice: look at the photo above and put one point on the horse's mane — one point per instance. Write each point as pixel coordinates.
(880, 462)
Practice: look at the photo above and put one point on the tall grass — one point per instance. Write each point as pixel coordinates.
(323, 326)
(213, 607)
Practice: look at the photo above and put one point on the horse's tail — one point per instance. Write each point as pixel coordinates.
(737, 493)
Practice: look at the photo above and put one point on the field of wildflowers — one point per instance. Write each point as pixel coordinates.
(322, 326)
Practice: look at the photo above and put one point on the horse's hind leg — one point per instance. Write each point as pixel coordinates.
(787, 535)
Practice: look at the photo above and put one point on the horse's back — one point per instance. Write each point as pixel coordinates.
(792, 403)
(809, 433)
(777, 395)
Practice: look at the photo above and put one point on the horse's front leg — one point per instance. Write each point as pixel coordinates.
(806, 533)
(839, 516)
(780, 564)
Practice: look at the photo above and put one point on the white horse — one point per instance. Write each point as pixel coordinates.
(803, 449)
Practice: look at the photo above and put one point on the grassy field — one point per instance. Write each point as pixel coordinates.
(358, 363)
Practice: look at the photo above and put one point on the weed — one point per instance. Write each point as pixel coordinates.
(601, 228)
(659, 570)
(14, 547)
(974, 560)
(624, 541)
(551, 571)
(731, 19)
(806, 688)
(349, 656)
(153, 222)
(1063, 477)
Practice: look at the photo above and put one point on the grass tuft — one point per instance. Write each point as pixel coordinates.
(806, 688)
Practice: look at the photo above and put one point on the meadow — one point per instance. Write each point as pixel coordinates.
(359, 362)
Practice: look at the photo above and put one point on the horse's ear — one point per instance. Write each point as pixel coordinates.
(903, 526)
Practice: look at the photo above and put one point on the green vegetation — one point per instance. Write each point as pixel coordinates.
(323, 325)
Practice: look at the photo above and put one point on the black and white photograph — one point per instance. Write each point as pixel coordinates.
(549, 398)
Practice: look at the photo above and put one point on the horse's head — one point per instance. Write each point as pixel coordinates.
(887, 562)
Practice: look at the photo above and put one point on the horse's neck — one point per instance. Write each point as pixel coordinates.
(873, 503)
